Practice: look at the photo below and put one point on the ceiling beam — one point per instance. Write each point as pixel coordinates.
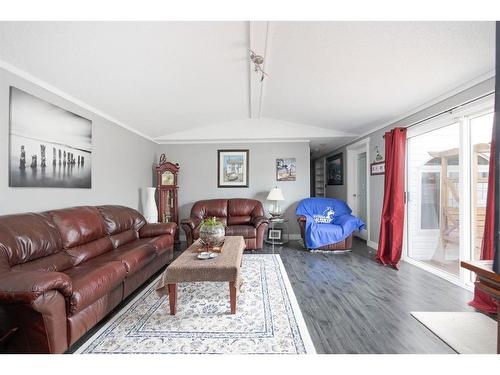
(259, 42)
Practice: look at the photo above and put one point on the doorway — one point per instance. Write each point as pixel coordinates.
(358, 184)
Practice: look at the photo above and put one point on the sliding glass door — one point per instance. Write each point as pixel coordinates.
(446, 184)
(434, 195)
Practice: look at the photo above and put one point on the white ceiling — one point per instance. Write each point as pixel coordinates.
(191, 81)
(351, 76)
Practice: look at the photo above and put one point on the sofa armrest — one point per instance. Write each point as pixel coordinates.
(302, 225)
(26, 286)
(157, 229)
(188, 226)
(188, 223)
(257, 221)
(301, 219)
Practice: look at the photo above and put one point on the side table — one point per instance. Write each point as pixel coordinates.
(277, 223)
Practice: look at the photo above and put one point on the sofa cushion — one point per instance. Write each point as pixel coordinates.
(134, 256)
(241, 211)
(52, 263)
(78, 225)
(160, 243)
(119, 219)
(123, 238)
(247, 231)
(89, 250)
(210, 208)
(92, 280)
(157, 229)
(26, 237)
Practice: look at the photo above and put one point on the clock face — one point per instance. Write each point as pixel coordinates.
(167, 178)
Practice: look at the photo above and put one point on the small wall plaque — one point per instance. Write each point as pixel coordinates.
(377, 168)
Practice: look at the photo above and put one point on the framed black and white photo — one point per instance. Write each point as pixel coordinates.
(232, 168)
(335, 169)
(285, 169)
(275, 234)
(49, 146)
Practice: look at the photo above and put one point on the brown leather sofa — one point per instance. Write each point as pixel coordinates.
(345, 244)
(62, 271)
(242, 217)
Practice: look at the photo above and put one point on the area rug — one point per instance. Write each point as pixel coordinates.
(267, 320)
(464, 332)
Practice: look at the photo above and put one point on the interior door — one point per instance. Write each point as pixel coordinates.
(357, 186)
(361, 186)
(361, 191)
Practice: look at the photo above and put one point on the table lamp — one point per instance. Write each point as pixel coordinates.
(275, 195)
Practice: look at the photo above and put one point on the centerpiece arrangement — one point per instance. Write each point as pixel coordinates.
(212, 233)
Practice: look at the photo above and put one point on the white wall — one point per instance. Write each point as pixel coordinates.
(121, 160)
(198, 174)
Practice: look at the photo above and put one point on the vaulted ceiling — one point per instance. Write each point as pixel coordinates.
(327, 82)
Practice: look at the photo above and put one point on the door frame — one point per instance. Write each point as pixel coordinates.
(352, 169)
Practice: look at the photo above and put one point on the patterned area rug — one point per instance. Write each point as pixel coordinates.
(267, 320)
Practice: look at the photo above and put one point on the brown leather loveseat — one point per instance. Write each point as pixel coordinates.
(62, 271)
(242, 217)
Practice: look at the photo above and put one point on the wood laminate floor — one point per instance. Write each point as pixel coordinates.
(351, 304)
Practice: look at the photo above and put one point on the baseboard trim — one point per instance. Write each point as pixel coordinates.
(291, 236)
(372, 244)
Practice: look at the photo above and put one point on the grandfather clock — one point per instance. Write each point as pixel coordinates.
(168, 204)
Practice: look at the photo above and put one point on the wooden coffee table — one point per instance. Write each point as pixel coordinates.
(188, 268)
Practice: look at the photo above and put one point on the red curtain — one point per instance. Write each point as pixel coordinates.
(483, 301)
(390, 243)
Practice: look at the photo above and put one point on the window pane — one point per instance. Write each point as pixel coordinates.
(433, 207)
(429, 218)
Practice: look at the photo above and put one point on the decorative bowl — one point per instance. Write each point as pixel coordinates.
(212, 232)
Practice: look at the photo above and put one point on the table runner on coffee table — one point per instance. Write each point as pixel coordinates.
(188, 268)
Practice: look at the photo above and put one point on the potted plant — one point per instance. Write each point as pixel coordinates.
(212, 232)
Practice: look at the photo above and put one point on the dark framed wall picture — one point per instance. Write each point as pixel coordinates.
(275, 234)
(377, 168)
(49, 146)
(335, 169)
(286, 169)
(232, 168)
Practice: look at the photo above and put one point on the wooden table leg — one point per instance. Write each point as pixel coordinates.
(172, 298)
(233, 292)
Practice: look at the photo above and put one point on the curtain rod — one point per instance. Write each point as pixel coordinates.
(450, 110)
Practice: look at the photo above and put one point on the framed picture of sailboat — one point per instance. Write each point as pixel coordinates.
(232, 168)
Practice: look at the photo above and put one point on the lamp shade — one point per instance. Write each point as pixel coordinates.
(275, 195)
